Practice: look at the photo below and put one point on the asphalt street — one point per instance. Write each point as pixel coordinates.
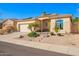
(8, 49)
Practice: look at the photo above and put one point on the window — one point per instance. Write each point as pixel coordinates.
(59, 24)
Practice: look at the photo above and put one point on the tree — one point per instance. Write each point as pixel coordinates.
(76, 19)
(30, 26)
(43, 13)
(27, 18)
(33, 26)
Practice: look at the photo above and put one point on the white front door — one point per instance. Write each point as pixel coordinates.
(24, 28)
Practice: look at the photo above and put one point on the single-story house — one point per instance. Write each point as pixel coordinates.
(47, 21)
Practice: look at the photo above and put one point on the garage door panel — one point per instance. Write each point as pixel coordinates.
(24, 28)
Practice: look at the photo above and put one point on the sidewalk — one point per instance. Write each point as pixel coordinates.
(50, 47)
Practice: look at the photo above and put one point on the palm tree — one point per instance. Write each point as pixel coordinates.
(43, 13)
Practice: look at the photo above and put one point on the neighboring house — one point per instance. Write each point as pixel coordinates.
(8, 24)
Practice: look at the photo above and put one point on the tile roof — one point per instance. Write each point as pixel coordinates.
(25, 20)
(56, 16)
(61, 16)
(48, 15)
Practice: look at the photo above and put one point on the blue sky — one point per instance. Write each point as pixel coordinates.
(25, 10)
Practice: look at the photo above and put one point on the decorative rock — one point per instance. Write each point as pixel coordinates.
(21, 36)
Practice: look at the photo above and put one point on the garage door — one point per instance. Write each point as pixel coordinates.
(24, 28)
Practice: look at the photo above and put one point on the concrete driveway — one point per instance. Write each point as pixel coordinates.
(12, 35)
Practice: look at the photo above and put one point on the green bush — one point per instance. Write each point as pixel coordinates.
(56, 29)
(33, 34)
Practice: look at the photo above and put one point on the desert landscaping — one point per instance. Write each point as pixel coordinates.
(66, 40)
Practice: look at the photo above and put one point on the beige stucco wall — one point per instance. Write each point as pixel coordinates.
(42, 18)
(23, 22)
(66, 25)
(52, 25)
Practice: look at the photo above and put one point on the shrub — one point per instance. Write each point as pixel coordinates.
(56, 29)
(33, 34)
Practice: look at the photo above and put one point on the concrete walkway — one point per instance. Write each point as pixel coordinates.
(50, 47)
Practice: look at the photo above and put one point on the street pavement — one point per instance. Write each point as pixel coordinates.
(8, 49)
